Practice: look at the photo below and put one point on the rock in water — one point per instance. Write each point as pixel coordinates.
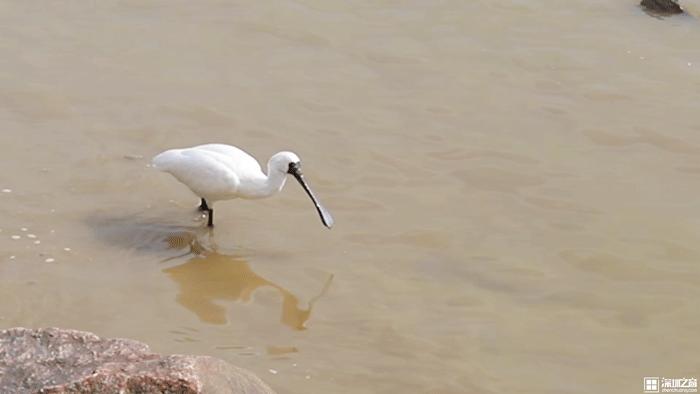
(58, 361)
(662, 7)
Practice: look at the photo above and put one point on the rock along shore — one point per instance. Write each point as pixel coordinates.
(54, 360)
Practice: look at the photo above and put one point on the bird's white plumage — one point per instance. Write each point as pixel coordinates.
(206, 173)
(235, 157)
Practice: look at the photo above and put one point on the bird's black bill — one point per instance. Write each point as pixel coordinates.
(326, 217)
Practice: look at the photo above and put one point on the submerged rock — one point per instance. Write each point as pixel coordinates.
(56, 361)
(662, 7)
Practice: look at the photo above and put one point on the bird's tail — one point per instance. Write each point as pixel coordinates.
(164, 160)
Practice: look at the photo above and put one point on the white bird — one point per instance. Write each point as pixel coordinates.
(217, 172)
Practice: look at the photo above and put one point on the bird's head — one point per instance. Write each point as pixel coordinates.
(289, 163)
(283, 161)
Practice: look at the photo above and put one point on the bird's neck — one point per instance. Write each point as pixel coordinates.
(263, 185)
(274, 182)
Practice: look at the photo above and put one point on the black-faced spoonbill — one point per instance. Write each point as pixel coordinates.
(221, 172)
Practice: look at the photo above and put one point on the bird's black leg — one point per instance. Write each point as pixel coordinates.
(210, 223)
(203, 206)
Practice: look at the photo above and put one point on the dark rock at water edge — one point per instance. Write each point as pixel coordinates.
(662, 7)
(54, 360)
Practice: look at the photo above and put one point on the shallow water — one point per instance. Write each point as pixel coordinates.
(516, 188)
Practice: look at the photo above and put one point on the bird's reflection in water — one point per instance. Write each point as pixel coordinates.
(210, 276)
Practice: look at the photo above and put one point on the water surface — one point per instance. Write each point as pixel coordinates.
(516, 188)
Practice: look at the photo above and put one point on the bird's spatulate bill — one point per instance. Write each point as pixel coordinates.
(326, 217)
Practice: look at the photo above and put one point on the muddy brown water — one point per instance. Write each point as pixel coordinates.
(516, 187)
